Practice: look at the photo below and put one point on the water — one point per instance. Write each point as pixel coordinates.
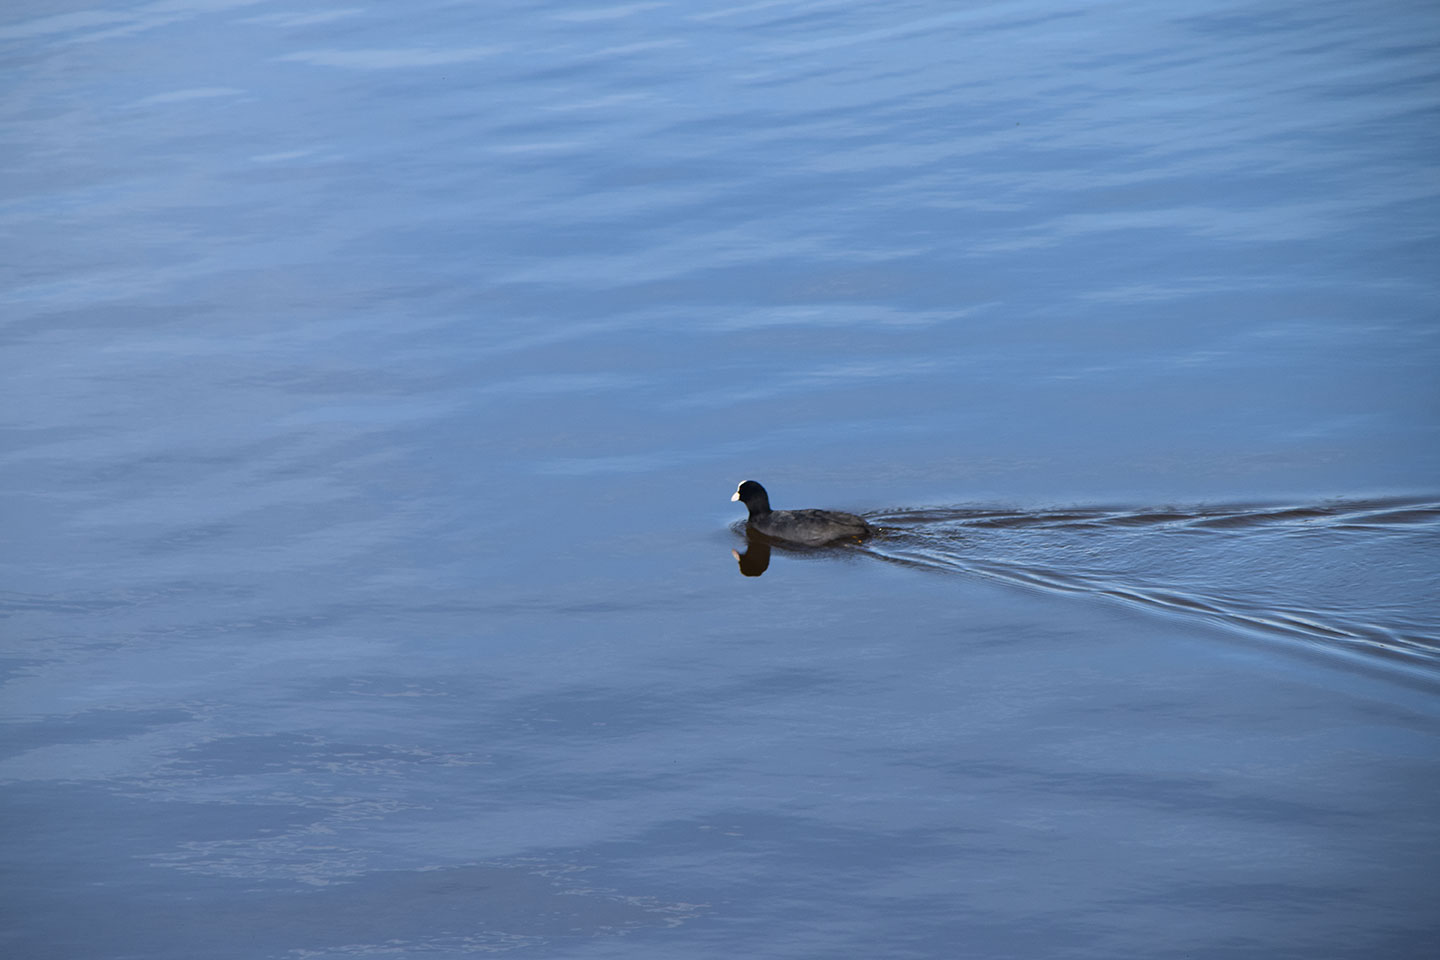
(1368, 566)
(376, 379)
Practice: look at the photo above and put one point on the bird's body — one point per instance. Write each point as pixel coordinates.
(812, 528)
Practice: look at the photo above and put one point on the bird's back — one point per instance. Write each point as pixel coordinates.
(812, 527)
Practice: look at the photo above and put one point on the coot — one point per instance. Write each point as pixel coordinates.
(810, 527)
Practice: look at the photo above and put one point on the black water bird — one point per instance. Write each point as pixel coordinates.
(812, 528)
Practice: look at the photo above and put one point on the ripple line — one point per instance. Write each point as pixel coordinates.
(968, 540)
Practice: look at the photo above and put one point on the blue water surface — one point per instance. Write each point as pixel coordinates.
(376, 378)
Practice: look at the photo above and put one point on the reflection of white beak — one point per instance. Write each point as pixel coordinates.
(735, 496)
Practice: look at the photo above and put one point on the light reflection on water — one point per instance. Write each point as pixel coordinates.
(376, 379)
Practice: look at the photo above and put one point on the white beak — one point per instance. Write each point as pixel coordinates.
(735, 496)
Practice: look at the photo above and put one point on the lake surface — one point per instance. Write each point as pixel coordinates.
(376, 378)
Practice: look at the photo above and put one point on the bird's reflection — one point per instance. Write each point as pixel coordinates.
(756, 558)
(758, 547)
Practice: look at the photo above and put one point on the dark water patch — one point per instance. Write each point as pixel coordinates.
(109, 602)
(590, 712)
(85, 727)
(1267, 569)
(15, 603)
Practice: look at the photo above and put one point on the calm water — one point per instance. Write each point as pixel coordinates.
(376, 378)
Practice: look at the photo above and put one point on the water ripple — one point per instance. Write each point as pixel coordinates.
(1352, 574)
